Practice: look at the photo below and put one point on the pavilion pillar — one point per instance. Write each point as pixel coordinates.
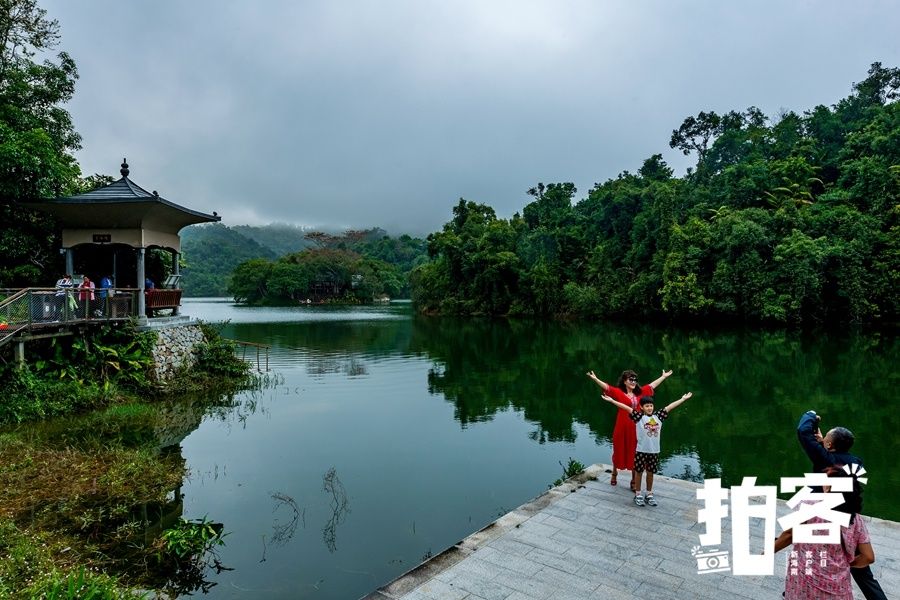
(141, 276)
(70, 261)
(176, 270)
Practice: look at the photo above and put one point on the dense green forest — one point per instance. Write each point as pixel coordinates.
(784, 220)
(210, 253)
(787, 219)
(37, 141)
(356, 266)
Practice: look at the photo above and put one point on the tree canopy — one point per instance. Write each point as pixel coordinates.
(37, 137)
(355, 267)
(784, 220)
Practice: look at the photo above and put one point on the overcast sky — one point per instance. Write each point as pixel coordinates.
(384, 113)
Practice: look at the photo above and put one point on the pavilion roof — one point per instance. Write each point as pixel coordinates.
(123, 204)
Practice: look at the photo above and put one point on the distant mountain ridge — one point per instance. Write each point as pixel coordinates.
(211, 252)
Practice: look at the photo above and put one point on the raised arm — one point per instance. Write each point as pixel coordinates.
(665, 375)
(808, 434)
(603, 385)
(624, 407)
(678, 402)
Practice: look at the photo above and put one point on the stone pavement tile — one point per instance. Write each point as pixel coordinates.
(708, 591)
(416, 595)
(595, 560)
(609, 580)
(651, 551)
(688, 571)
(562, 524)
(510, 546)
(887, 573)
(530, 586)
(565, 582)
(518, 564)
(564, 562)
(562, 595)
(561, 512)
(521, 596)
(480, 587)
(741, 587)
(569, 541)
(538, 541)
(438, 590)
(539, 518)
(537, 528)
(579, 499)
(649, 576)
(651, 591)
(602, 593)
(470, 568)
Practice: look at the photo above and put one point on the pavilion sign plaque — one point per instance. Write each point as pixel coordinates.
(102, 238)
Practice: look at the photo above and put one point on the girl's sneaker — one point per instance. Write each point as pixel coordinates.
(651, 500)
(638, 499)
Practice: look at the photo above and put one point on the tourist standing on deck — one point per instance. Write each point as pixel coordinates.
(105, 285)
(624, 440)
(827, 451)
(63, 296)
(821, 569)
(648, 424)
(86, 295)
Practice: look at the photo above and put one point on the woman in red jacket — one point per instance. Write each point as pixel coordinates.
(624, 439)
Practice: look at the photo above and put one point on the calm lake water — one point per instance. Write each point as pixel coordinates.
(392, 437)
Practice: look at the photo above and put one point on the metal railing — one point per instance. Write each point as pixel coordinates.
(245, 345)
(30, 308)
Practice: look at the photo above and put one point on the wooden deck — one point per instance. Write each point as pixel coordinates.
(587, 540)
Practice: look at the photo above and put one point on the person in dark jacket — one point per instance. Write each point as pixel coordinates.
(826, 451)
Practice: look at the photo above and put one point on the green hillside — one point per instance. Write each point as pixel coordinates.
(210, 253)
(785, 219)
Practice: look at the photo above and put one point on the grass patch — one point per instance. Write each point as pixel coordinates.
(86, 501)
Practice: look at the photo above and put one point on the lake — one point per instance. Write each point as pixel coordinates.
(389, 437)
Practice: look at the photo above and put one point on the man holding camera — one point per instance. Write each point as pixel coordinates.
(826, 451)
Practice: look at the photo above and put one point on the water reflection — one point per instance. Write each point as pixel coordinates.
(340, 507)
(750, 386)
(438, 426)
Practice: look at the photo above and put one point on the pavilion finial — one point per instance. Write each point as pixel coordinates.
(124, 170)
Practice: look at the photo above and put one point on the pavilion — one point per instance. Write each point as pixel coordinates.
(110, 231)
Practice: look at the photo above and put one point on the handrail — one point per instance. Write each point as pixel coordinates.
(253, 345)
(56, 306)
(9, 334)
(15, 296)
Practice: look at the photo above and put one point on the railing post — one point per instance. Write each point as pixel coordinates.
(19, 353)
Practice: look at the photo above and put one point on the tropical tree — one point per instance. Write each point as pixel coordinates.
(37, 138)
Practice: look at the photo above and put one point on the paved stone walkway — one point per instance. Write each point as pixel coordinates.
(587, 540)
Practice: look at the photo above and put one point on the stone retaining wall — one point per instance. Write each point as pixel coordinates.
(175, 347)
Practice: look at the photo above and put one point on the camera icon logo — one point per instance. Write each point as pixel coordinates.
(711, 561)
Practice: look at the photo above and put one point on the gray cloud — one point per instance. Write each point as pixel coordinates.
(384, 113)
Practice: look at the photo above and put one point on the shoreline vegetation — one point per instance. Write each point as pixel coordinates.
(91, 506)
(783, 221)
(356, 267)
(786, 220)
